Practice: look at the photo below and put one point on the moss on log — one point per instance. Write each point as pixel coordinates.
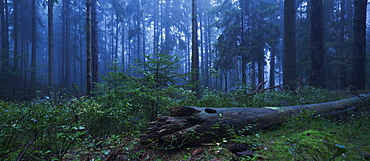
(195, 125)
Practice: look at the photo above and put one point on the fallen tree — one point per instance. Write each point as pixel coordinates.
(196, 125)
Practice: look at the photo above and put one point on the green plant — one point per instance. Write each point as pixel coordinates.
(38, 130)
(315, 145)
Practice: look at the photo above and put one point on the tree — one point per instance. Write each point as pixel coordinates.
(94, 41)
(289, 60)
(66, 45)
(317, 77)
(4, 37)
(89, 78)
(50, 43)
(194, 50)
(342, 68)
(359, 46)
(34, 42)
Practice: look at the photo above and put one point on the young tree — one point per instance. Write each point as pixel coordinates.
(359, 46)
(289, 60)
(317, 77)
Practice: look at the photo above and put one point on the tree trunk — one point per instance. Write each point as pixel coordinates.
(34, 43)
(317, 45)
(359, 46)
(50, 43)
(196, 125)
(289, 60)
(4, 38)
(89, 79)
(94, 41)
(194, 50)
(67, 77)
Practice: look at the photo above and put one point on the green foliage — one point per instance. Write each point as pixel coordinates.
(160, 69)
(124, 102)
(40, 130)
(49, 129)
(317, 138)
(307, 95)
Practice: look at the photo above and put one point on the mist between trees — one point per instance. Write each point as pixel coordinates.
(240, 43)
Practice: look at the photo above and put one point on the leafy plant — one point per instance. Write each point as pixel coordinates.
(38, 130)
(315, 145)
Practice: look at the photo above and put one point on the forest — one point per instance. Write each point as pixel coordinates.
(84, 79)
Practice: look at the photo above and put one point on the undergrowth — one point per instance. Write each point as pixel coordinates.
(97, 127)
(45, 129)
(319, 138)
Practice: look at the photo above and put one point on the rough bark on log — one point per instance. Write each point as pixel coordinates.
(196, 125)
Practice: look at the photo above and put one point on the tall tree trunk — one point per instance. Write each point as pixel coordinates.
(272, 64)
(68, 52)
(89, 79)
(62, 56)
(207, 51)
(359, 46)
(201, 64)
(94, 41)
(289, 60)
(50, 43)
(4, 38)
(123, 45)
(155, 28)
(317, 77)
(167, 28)
(244, 15)
(34, 42)
(16, 47)
(261, 69)
(342, 55)
(194, 50)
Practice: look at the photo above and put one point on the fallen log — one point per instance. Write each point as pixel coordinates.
(196, 125)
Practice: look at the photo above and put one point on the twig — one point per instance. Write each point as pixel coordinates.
(20, 156)
(261, 90)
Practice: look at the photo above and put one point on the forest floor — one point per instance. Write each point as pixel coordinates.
(305, 137)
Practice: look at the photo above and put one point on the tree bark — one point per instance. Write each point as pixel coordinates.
(289, 60)
(34, 42)
(196, 125)
(359, 46)
(194, 50)
(50, 43)
(89, 79)
(94, 41)
(4, 38)
(317, 78)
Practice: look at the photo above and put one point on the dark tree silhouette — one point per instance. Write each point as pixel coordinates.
(94, 41)
(195, 51)
(317, 77)
(4, 37)
(359, 46)
(34, 42)
(289, 60)
(89, 78)
(50, 43)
